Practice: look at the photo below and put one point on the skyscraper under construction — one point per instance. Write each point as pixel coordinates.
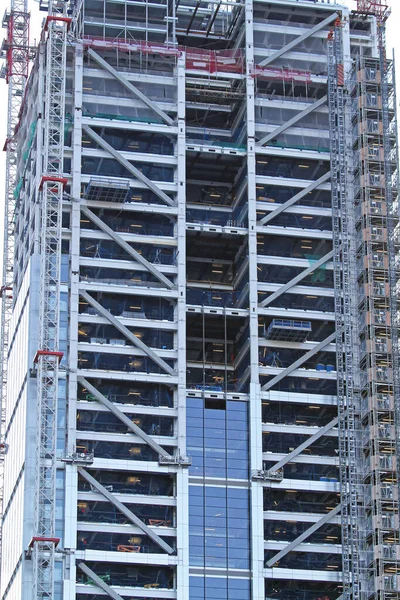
(200, 353)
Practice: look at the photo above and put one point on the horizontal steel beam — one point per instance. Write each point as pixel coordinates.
(128, 166)
(125, 331)
(125, 511)
(128, 85)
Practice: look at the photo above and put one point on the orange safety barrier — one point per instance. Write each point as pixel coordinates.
(197, 59)
(124, 548)
(159, 523)
(281, 73)
(226, 61)
(212, 61)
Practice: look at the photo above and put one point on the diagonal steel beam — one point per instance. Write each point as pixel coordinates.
(125, 246)
(297, 363)
(125, 331)
(128, 85)
(284, 288)
(313, 438)
(128, 166)
(123, 418)
(292, 121)
(325, 519)
(243, 379)
(294, 199)
(298, 40)
(99, 581)
(193, 15)
(211, 23)
(124, 510)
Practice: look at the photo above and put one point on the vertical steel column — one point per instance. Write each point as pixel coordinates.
(182, 476)
(257, 529)
(71, 477)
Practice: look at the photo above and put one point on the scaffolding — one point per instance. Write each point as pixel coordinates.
(374, 123)
(16, 73)
(344, 314)
(379, 8)
(48, 356)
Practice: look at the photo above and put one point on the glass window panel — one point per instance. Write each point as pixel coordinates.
(212, 415)
(237, 423)
(196, 512)
(196, 490)
(196, 545)
(236, 407)
(235, 460)
(215, 472)
(234, 492)
(194, 414)
(239, 589)
(237, 429)
(196, 471)
(196, 582)
(234, 444)
(216, 511)
(216, 583)
(215, 465)
(196, 442)
(194, 403)
(218, 443)
(238, 473)
(235, 505)
(195, 430)
(194, 421)
(196, 588)
(238, 523)
(216, 458)
(215, 492)
(196, 561)
(238, 553)
(212, 436)
(195, 452)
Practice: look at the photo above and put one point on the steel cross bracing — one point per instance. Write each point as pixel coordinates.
(43, 546)
(16, 75)
(343, 313)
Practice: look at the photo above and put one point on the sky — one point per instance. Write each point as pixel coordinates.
(393, 42)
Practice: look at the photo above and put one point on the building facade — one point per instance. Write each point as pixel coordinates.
(201, 343)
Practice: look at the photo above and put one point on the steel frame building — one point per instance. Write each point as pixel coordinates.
(200, 317)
